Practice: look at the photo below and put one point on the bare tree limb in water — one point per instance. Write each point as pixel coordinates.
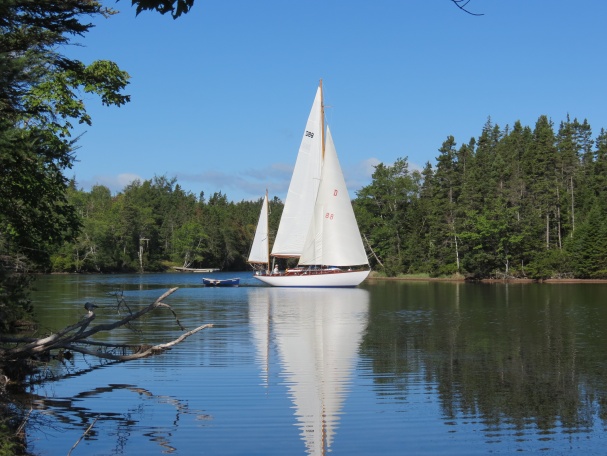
(76, 338)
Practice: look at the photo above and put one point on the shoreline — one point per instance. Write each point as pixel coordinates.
(463, 280)
(371, 278)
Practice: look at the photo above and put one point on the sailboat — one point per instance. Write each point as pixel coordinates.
(318, 224)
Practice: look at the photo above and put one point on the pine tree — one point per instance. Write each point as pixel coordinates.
(599, 167)
(444, 224)
(589, 245)
(539, 164)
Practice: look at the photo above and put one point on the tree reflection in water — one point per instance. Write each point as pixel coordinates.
(513, 357)
(70, 411)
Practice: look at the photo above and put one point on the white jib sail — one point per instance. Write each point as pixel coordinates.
(303, 188)
(260, 247)
(333, 237)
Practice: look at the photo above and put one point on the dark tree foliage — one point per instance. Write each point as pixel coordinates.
(515, 202)
(589, 247)
(385, 213)
(31, 33)
(175, 7)
(41, 94)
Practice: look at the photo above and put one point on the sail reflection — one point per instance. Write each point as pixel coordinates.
(317, 333)
(259, 318)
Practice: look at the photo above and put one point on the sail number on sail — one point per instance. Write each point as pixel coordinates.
(329, 215)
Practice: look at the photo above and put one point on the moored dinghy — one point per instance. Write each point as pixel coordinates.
(220, 282)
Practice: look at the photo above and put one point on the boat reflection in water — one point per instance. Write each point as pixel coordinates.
(317, 333)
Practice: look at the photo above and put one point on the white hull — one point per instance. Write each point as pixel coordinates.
(340, 279)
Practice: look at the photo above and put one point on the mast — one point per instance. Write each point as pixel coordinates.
(268, 231)
(322, 120)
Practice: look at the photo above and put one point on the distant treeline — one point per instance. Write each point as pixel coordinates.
(155, 224)
(516, 202)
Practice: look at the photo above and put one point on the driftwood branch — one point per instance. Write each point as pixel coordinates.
(76, 338)
(142, 350)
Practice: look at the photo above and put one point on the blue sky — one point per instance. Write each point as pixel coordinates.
(220, 96)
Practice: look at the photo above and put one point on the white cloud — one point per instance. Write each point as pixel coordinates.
(359, 174)
(248, 185)
(114, 183)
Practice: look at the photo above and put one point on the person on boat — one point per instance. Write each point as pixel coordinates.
(276, 269)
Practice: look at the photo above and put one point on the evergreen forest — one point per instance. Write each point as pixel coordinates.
(516, 202)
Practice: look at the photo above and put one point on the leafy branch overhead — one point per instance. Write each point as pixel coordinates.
(175, 7)
(32, 32)
(463, 5)
(179, 7)
(56, 96)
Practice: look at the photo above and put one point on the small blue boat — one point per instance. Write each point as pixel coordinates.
(220, 283)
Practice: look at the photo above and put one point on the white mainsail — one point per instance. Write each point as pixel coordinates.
(333, 237)
(260, 249)
(299, 203)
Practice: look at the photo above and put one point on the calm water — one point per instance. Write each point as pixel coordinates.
(389, 368)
